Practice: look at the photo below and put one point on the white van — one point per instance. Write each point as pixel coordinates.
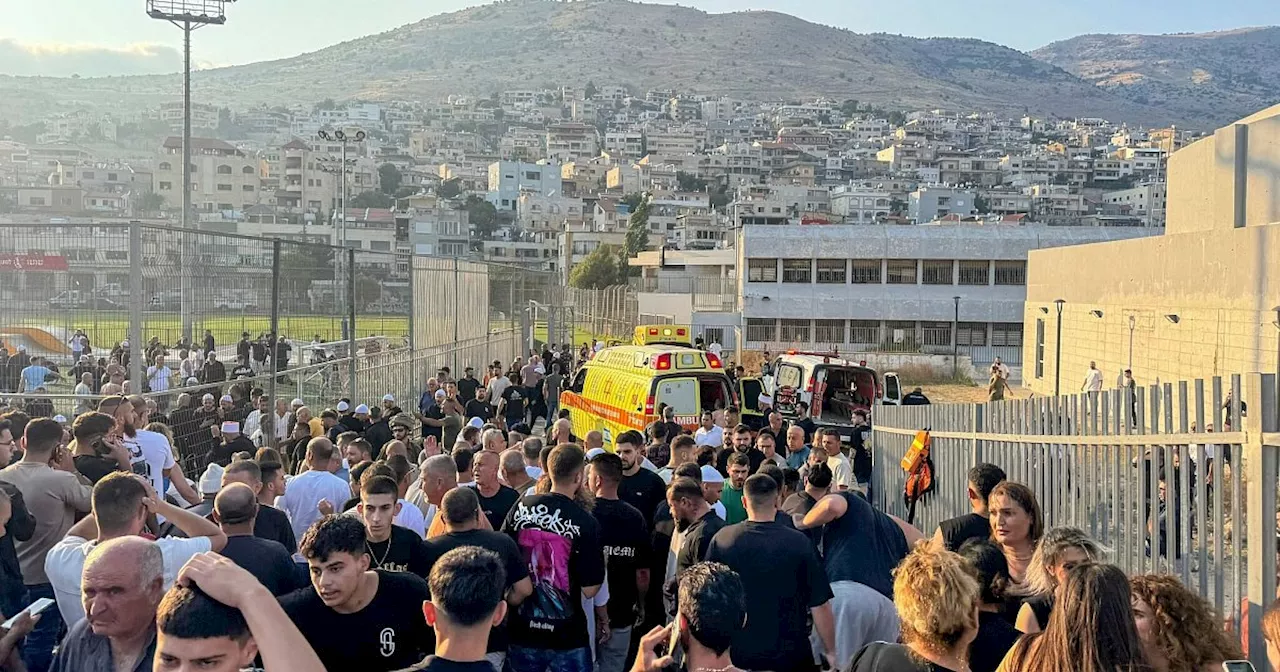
(833, 387)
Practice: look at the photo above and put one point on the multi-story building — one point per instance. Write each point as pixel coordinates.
(223, 178)
(571, 142)
(115, 188)
(1146, 201)
(509, 179)
(671, 142)
(625, 144)
(930, 203)
(435, 226)
(203, 117)
(861, 204)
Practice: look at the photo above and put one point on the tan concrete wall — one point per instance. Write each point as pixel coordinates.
(1191, 209)
(1202, 178)
(1222, 286)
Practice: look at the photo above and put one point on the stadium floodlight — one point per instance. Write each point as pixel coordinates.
(187, 15)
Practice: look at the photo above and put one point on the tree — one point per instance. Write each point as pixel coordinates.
(151, 202)
(897, 206)
(591, 90)
(632, 201)
(598, 271)
(637, 239)
(483, 217)
(389, 178)
(849, 107)
(897, 118)
(982, 205)
(690, 182)
(450, 188)
(368, 290)
(372, 199)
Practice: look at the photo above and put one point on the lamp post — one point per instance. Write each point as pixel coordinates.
(187, 15)
(340, 224)
(1132, 323)
(1057, 358)
(955, 341)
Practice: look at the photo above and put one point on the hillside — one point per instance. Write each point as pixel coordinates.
(1215, 76)
(542, 43)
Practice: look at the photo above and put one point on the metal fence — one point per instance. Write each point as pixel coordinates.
(1175, 478)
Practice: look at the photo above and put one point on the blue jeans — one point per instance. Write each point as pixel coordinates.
(38, 651)
(522, 659)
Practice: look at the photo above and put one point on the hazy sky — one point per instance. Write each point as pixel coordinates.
(95, 37)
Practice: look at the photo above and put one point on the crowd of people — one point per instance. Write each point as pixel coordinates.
(481, 531)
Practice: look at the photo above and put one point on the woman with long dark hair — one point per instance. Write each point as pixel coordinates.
(1016, 527)
(1092, 629)
(995, 635)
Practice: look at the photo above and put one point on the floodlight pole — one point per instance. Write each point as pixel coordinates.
(187, 248)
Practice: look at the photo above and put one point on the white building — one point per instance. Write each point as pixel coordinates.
(860, 204)
(1146, 201)
(930, 203)
(509, 179)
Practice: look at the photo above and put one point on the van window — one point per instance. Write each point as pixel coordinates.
(678, 393)
(579, 381)
(788, 376)
(713, 393)
(751, 391)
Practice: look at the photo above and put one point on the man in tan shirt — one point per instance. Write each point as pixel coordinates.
(54, 491)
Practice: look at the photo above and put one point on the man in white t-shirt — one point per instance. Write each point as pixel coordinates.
(301, 501)
(709, 434)
(150, 454)
(828, 440)
(158, 375)
(121, 503)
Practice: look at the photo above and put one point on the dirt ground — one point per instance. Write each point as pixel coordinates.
(950, 393)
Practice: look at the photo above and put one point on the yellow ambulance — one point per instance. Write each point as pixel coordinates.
(623, 388)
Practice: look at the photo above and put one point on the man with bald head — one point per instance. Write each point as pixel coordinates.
(236, 509)
(122, 586)
(515, 473)
(271, 523)
(301, 502)
(561, 432)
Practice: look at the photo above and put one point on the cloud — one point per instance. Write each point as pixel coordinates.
(86, 60)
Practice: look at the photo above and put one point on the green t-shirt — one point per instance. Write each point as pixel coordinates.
(734, 510)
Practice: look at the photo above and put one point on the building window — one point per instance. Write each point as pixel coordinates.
(795, 331)
(226, 206)
(828, 331)
(797, 270)
(247, 187)
(864, 331)
(901, 334)
(112, 177)
(934, 272)
(762, 329)
(166, 186)
(936, 333)
(901, 272)
(971, 333)
(224, 170)
(36, 200)
(713, 335)
(224, 187)
(1007, 334)
(976, 273)
(1039, 348)
(762, 270)
(1011, 273)
(165, 165)
(832, 271)
(247, 170)
(866, 272)
(380, 245)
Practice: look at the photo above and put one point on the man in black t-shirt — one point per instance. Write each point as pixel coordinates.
(696, 523)
(235, 509)
(389, 546)
(460, 510)
(784, 582)
(953, 532)
(479, 406)
(512, 405)
(640, 487)
(561, 543)
(496, 499)
(466, 604)
(468, 384)
(741, 444)
(270, 523)
(356, 618)
(625, 538)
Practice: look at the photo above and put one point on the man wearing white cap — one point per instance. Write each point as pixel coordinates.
(232, 442)
(389, 407)
(712, 487)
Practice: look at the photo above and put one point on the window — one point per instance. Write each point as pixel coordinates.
(112, 177)
(866, 272)
(165, 165)
(88, 175)
(1011, 273)
(166, 186)
(864, 331)
(797, 270)
(714, 335)
(936, 333)
(1008, 334)
(795, 331)
(975, 273)
(828, 331)
(532, 175)
(247, 187)
(380, 245)
(36, 200)
(1039, 348)
(453, 249)
(971, 333)
(832, 271)
(226, 206)
(762, 270)
(934, 272)
(115, 255)
(901, 333)
(901, 272)
(224, 187)
(224, 170)
(247, 170)
(762, 329)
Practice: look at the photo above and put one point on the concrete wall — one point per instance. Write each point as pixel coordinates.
(1222, 287)
(1231, 178)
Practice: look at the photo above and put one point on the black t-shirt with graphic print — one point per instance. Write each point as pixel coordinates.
(403, 551)
(560, 542)
(390, 633)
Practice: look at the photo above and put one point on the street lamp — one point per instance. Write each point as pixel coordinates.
(1133, 321)
(340, 224)
(955, 341)
(187, 15)
(1057, 359)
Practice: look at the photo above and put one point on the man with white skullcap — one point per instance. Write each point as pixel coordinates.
(232, 442)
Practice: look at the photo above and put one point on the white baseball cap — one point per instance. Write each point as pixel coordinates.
(60, 419)
(362, 410)
(594, 453)
(440, 394)
(207, 397)
(231, 427)
(475, 422)
(297, 403)
(389, 397)
(226, 397)
(710, 475)
(343, 406)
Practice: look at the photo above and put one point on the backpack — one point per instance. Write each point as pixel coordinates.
(920, 478)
